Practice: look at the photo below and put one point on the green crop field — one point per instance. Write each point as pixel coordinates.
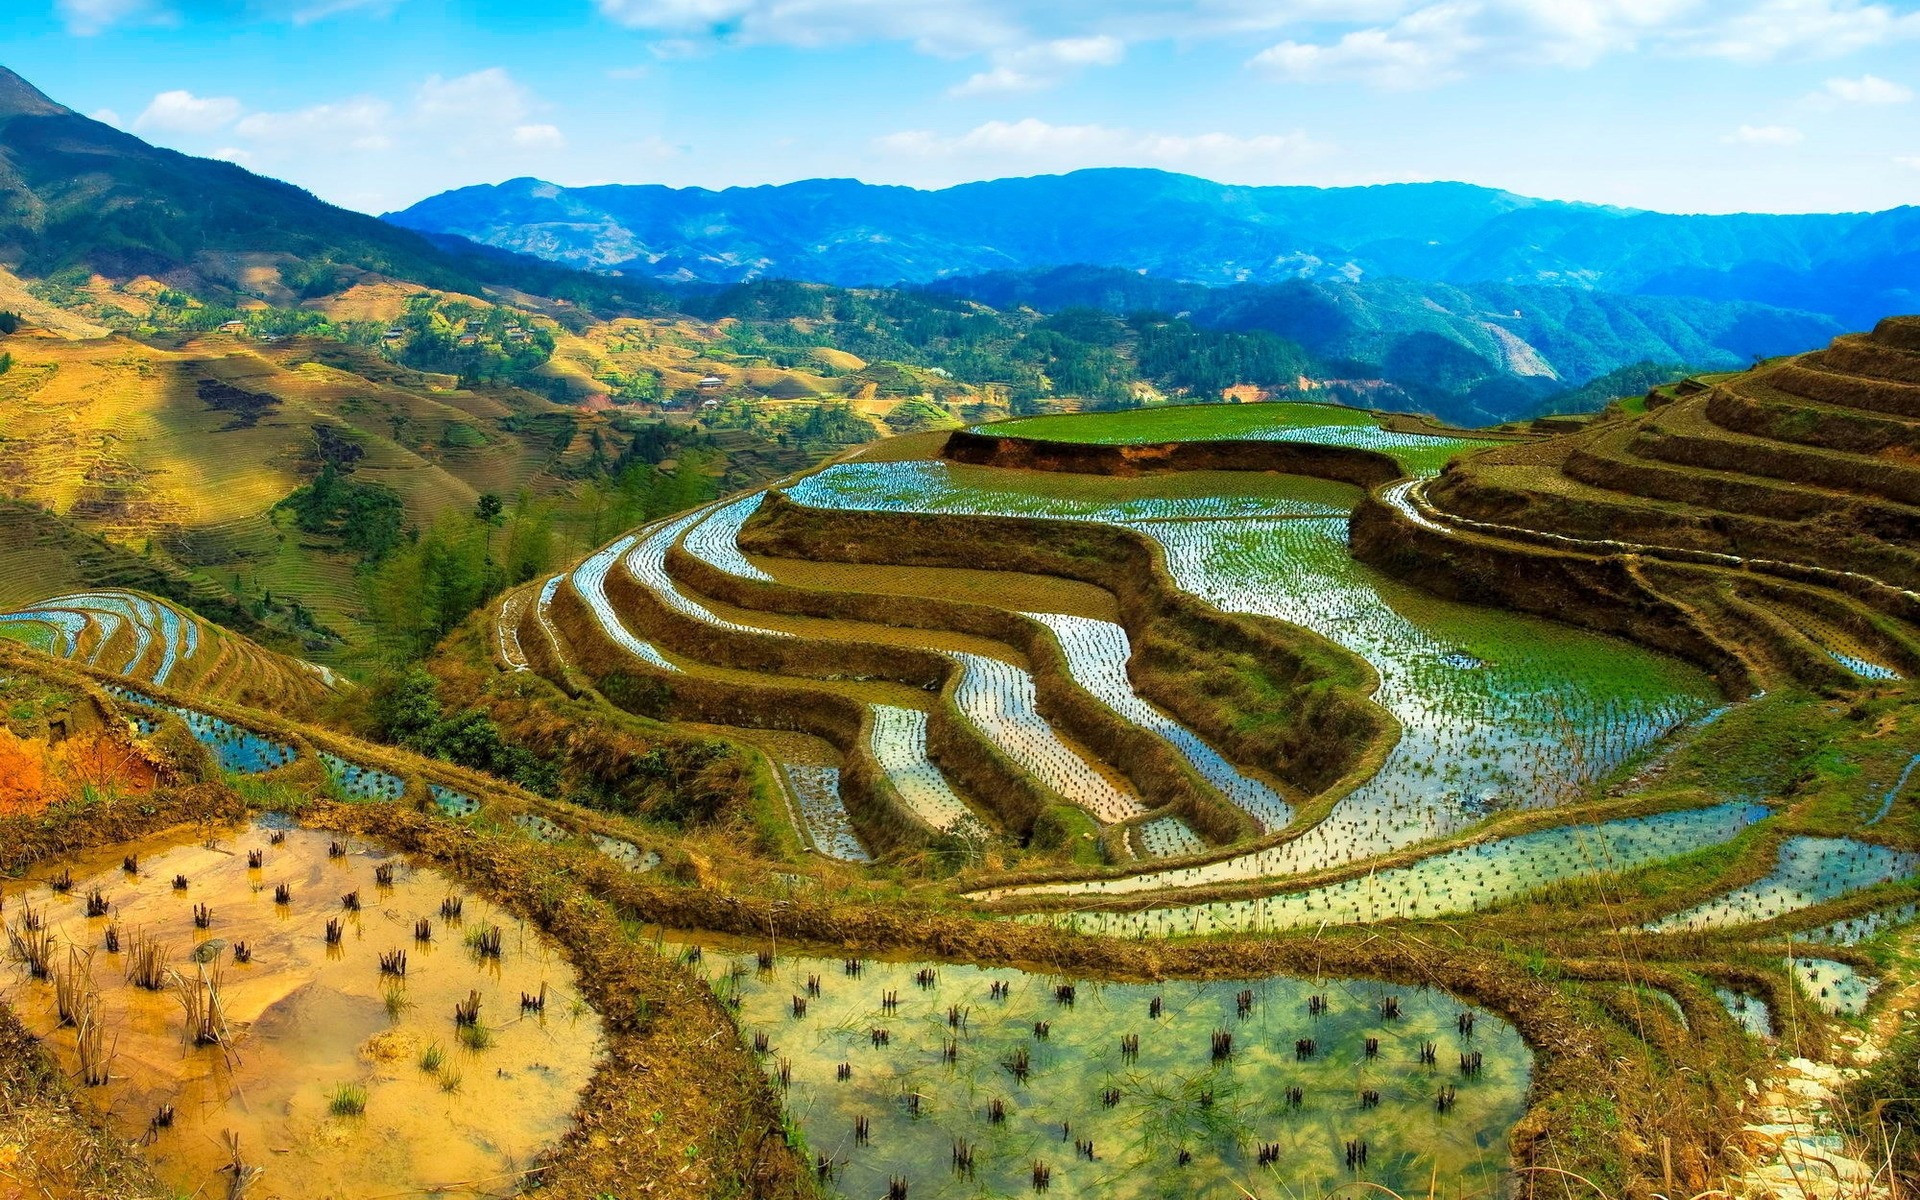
(1322, 424)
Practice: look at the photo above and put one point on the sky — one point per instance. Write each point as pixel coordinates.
(1676, 105)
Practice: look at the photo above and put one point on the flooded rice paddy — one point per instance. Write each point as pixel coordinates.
(1498, 711)
(978, 1081)
(1468, 879)
(306, 1006)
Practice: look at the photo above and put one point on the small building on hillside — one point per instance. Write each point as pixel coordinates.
(712, 383)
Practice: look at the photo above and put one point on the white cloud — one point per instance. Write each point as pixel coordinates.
(1030, 68)
(948, 28)
(320, 10)
(184, 112)
(1868, 89)
(88, 17)
(1441, 42)
(232, 154)
(359, 125)
(1032, 143)
(1027, 45)
(539, 137)
(106, 116)
(1908, 160)
(1765, 135)
(1802, 29)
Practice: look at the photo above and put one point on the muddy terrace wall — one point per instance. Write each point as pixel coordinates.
(1344, 464)
(1155, 769)
(1189, 658)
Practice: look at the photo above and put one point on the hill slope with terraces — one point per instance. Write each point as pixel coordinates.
(1762, 523)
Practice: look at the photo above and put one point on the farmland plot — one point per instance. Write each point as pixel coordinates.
(1809, 871)
(1464, 880)
(966, 1081)
(1498, 711)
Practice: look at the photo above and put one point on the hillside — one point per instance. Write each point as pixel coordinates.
(79, 198)
(1851, 266)
(1503, 348)
(1762, 521)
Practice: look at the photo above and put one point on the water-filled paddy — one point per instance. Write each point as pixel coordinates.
(1458, 881)
(307, 1031)
(1498, 711)
(1139, 1104)
(1809, 871)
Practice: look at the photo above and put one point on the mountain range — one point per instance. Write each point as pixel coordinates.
(1477, 304)
(1853, 267)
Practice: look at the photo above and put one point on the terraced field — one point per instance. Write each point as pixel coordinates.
(1257, 737)
(149, 640)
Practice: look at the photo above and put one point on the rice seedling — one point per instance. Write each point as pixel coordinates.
(423, 931)
(90, 1044)
(467, 1012)
(350, 902)
(32, 947)
(202, 917)
(256, 859)
(97, 904)
(335, 931)
(148, 962)
(347, 1100)
(73, 990)
(394, 963)
(486, 941)
(111, 939)
(62, 883)
(383, 875)
(432, 1058)
(282, 895)
(242, 953)
(241, 1176)
(204, 1020)
(537, 1002)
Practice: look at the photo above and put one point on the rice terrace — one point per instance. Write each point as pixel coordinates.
(1102, 684)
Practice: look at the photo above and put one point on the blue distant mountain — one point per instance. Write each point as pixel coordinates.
(1853, 267)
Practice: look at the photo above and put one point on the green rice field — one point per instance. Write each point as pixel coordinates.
(1285, 421)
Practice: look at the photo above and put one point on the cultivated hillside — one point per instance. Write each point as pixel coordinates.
(1761, 522)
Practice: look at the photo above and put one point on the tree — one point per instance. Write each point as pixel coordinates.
(9, 322)
(489, 509)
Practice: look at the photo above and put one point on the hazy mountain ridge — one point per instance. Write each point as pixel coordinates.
(1577, 333)
(1850, 265)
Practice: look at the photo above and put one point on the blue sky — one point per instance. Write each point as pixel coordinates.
(1680, 105)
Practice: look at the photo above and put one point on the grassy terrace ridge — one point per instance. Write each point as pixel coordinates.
(1420, 446)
